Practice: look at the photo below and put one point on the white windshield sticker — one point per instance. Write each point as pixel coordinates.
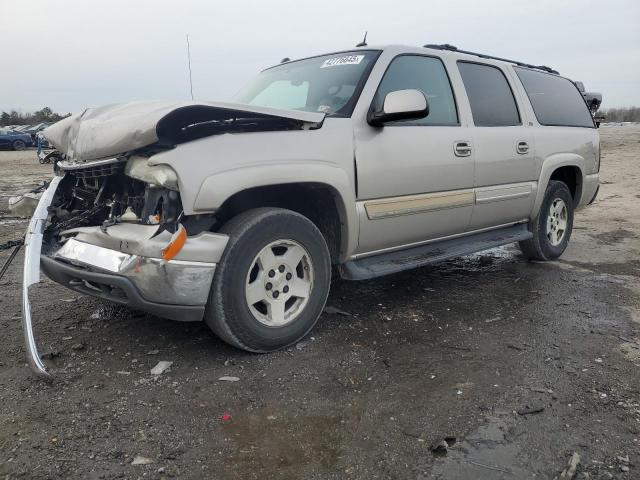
(346, 60)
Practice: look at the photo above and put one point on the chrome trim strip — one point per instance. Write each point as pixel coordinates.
(428, 202)
(31, 273)
(79, 253)
(498, 193)
(410, 204)
(433, 240)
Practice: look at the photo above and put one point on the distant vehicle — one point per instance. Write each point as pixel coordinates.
(34, 129)
(14, 140)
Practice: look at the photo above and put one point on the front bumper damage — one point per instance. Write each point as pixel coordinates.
(31, 272)
(121, 263)
(174, 289)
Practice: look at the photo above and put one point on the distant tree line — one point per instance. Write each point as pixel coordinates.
(625, 114)
(16, 118)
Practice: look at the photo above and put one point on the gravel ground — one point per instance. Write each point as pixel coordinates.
(525, 364)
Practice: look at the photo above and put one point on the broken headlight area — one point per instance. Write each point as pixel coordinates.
(102, 194)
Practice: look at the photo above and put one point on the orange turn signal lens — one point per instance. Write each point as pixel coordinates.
(178, 240)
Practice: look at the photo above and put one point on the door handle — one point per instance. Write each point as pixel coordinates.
(462, 149)
(522, 147)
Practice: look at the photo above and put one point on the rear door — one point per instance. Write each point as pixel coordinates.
(506, 172)
(412, 186)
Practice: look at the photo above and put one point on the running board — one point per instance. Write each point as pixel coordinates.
(397, 261)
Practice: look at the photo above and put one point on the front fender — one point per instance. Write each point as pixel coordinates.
(551, 164)
(217, 188)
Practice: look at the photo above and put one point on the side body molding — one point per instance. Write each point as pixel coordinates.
(218, 187)
(551, 164)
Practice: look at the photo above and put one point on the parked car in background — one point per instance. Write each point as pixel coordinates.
(14, 140)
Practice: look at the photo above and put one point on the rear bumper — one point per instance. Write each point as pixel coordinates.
(590, 188)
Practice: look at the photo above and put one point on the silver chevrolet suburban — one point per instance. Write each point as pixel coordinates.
(372, 161)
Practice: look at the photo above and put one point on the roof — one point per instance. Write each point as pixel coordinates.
(444, 50)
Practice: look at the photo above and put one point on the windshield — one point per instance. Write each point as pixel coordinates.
(329, 84)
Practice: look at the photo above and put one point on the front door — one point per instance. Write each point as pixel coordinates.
(415, 178)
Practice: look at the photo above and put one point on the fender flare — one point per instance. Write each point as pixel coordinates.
(550, 165)
(217, 188)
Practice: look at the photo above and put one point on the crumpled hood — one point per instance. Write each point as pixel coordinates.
(114, 129)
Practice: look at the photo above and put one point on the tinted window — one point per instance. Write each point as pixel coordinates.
(491, 98)
(428, 75)
(555, 100)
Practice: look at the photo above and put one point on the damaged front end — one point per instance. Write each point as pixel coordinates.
(112, 224)
(115, 229)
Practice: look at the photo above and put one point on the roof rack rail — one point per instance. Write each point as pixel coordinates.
(446, 46)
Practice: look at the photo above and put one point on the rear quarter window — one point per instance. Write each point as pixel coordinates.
(556, 101)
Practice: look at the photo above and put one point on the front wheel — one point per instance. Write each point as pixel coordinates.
(272, 282)
(552, 226)
(19, 145)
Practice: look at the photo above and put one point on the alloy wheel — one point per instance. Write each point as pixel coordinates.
(279, 283)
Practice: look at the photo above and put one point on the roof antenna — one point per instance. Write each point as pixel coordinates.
(285, 60)
(189, 60)
(363, 43)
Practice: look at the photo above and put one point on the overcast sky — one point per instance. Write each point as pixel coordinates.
(74, 54)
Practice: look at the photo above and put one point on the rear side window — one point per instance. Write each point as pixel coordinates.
(428, 75)
(555, 100)
(490, 96)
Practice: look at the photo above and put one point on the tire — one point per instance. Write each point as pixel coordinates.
(19, 145)
(260, 262)
(552, 226)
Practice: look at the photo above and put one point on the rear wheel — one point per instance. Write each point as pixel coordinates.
(272, 282)
(552, 226)
(19, 145)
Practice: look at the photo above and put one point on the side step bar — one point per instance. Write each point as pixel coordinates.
(398, 261)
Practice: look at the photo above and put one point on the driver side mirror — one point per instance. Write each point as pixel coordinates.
(400, 105)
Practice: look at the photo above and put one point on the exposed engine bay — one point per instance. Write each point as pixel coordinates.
(104, 156)
(103, 193)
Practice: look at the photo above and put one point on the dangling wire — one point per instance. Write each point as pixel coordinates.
(5, 267)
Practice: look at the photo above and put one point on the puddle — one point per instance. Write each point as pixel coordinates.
(483, 455)
(493, 257)
(281, 446)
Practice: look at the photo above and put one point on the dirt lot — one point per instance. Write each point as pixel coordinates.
(461, 350)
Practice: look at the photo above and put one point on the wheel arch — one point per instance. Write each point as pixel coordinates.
(321, 193)
(568, 168)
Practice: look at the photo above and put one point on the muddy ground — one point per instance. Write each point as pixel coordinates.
(454, 350)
